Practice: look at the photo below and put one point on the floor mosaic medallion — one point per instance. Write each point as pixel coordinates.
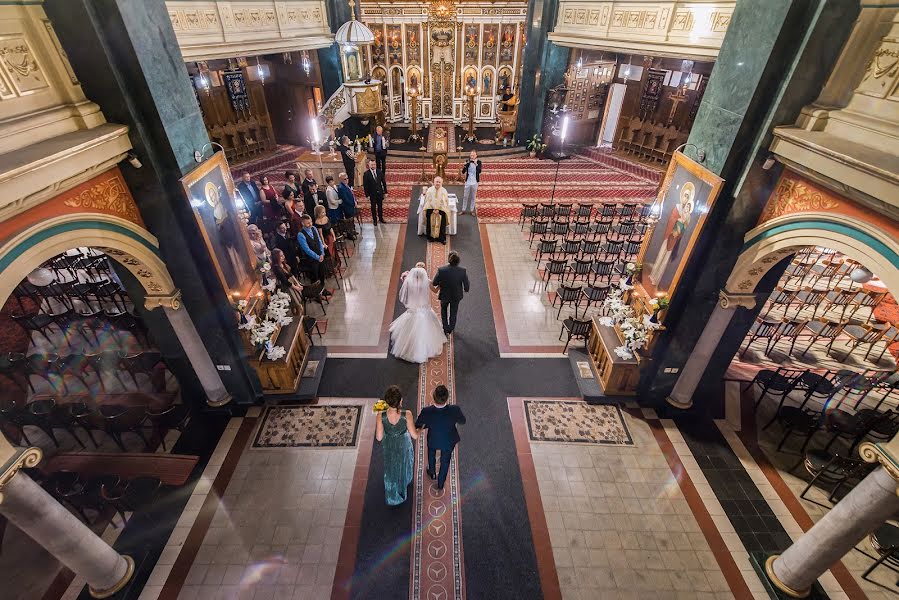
(299, 426)
(576, 422)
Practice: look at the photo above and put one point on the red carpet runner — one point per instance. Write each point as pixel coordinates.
(437, 569)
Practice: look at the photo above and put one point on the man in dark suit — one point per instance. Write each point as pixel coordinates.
(375, 188)
(379, 148)
(306, 188)
(251, 195)
(452, 283)
(440, 419)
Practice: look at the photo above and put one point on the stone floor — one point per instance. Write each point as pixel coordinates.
(277, 529)
(355, 311)
(529, 318)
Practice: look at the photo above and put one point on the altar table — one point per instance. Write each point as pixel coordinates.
(453, 216)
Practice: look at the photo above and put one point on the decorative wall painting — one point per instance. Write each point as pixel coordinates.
(394, 44)
(490, 43)
(686, 196)
(472, 43)
(377, 47)
(237, 90)
(507, 44)
(210, 191)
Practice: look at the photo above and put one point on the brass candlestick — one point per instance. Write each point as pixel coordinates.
(414, 137)
(470, 92)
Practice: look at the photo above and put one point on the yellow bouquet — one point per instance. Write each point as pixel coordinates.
(379, 406)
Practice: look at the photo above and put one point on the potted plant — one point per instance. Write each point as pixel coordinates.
(659, 305)
(535, 145)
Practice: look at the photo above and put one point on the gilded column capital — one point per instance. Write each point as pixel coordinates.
(172, 301)
(886, 454)
(729, 299)
(14, 458)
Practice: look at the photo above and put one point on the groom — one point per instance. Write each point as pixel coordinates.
(451, 282)
(440, 419)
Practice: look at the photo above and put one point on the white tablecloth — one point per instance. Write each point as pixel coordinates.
(453, 216)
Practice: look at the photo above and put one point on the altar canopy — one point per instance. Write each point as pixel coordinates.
(440, 50)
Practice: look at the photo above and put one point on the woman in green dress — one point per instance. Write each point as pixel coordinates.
(395, 429)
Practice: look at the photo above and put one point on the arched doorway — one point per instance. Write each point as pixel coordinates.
(798, 217)
(105, 237)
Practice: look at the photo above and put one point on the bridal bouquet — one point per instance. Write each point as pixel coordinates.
(379, 406)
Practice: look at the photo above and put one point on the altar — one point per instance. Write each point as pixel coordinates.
(453, 216)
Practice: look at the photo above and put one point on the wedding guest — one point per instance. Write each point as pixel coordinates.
(294, 214)
(270, 208)
(291, 188)
(440, 419)
(317, 198)
(308, 182)
(379, 146)
(312, 252)
(286, 281)
(326, 230)
(333, 200)
(282, 240)
(395, 430)
(345, 147)
(347, 198)
(251, 196)
(471, 175)
(258, 244)
(347, 207)
(375, 189)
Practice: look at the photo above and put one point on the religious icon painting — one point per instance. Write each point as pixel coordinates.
(210, 191)
(686, 196)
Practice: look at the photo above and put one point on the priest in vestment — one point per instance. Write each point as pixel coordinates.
(437, 211)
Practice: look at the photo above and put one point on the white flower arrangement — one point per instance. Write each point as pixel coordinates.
(262, 331)
(270, 286)
(635, 331)
(265, 267)
(275, 352)
(249, 323)
(278, 309)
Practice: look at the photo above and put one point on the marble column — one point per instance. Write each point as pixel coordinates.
(544, 67)
(682, 393)
(194, 349)
(30, 508)
(866, 507)
(329, 58)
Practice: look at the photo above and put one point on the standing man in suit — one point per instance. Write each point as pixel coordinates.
(471, 175)
(379, 147)
(251, 195)
(305, 186)
(375, 188)
(440, 419)
(451, 282)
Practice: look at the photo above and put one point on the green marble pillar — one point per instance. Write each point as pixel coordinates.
(774, 59)
(126, 56)
(544, 67)
(329, 58)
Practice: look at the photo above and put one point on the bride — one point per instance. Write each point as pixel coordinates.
(417, 334)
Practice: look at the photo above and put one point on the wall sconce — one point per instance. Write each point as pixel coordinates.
(307, 64)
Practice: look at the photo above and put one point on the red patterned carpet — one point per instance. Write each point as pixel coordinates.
(591, 177)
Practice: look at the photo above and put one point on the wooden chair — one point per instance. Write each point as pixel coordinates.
(528, 212)
(763, 328)
(864, 334)
(576, 329)
(570, 295)
(539, 227)
(595, 294)
(546, 247)
(823, 329)
(554, 268)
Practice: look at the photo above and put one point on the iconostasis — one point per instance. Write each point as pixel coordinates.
(445, 51)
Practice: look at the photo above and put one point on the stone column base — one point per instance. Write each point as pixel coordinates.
(678, 404)
(129, 572)
(776, 582)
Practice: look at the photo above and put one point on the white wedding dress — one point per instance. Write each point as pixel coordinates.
(417, 334)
